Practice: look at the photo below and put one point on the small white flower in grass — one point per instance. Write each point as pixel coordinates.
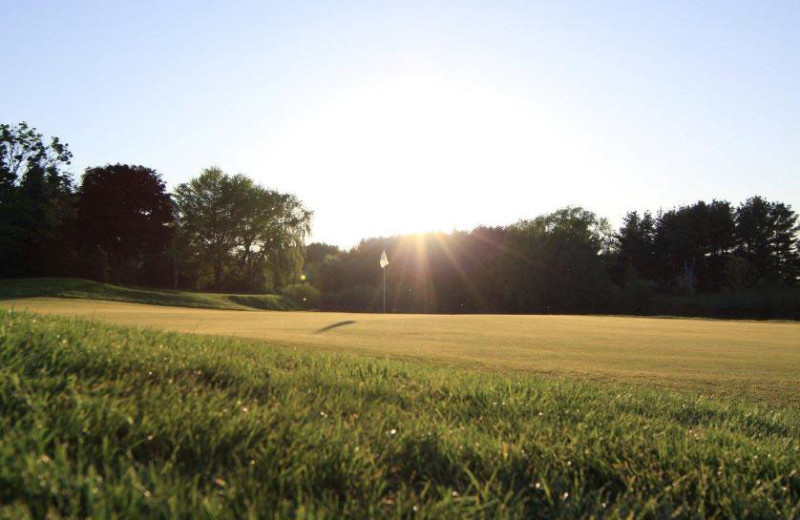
(564, 495)
(393, 431)
(540, 414)
(415, 508)
(323, 414)
(538, 485)
(455, 494)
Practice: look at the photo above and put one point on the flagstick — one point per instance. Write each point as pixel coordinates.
(384, 262)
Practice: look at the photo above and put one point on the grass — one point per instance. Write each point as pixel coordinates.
(756, 361)
(101, 420)
(86, 289)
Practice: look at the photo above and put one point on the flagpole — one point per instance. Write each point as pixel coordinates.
(384, 262)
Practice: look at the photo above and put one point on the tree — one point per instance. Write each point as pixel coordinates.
(483, 267)
(786, 243)
(206, 218)
(126, 212)
(692, 244)
(238, 235)
(556, 262)
(767, 238)
(636, 247)
(270, 250)
(320, 257)
(35, 203)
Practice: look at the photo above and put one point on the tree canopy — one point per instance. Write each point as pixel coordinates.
(125, 213)
(571, 261)
(225, 232)
(35, 202)
(236, 235)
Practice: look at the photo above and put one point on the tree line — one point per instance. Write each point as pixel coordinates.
(216, 232)
(706, 258)
(225, 232)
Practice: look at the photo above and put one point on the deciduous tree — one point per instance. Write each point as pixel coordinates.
(125, 211)
(35, 202)
(238, 235)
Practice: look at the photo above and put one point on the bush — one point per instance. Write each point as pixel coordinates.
(358, 298)
(304, 296)
(96, 266)
(636, 295)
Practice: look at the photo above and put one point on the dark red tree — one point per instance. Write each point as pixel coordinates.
(125, 212)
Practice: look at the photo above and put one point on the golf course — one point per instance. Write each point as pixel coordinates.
(754, 360)
(400, 260)
(124, 407)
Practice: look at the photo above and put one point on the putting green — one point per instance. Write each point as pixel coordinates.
(751, 359)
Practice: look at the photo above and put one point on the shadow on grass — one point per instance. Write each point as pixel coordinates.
(334, 325)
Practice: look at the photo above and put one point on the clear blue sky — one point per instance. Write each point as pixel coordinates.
(414, 116)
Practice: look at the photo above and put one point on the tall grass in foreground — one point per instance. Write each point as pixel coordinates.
(104, 421)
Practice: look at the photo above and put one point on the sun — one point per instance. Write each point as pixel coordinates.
(412, 153)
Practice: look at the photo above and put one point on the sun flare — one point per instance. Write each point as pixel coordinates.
(422, 153)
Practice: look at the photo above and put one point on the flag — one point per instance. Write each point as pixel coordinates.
(384, 260)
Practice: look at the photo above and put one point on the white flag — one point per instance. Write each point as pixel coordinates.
(384, 260)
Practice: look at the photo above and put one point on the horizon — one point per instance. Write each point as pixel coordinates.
(403, 119)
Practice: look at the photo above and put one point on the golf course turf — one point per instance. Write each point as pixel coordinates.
(330, 415)
(749, 360)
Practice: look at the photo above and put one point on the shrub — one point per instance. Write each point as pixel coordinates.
(304, 296)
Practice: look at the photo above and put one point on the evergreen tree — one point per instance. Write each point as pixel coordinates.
(767, 238)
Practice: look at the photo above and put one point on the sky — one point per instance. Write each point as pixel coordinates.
(406, 117)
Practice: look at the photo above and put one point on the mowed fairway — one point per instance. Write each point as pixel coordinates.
(753, 360)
